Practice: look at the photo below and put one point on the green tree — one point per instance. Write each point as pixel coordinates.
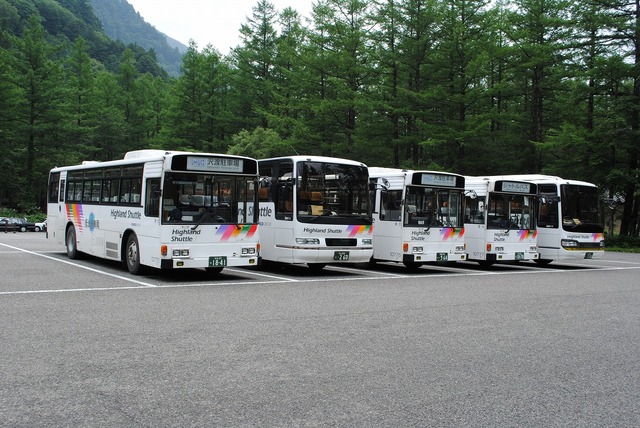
(342, 73)
(42, 106)
(254, 60)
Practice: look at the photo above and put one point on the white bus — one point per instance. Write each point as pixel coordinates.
(500, 220)
(166, 210)
(417, 216)
(314, 210)
(570, 225)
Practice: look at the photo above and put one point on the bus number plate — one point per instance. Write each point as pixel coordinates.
(220, 261)
(588, 255)
(519, 256)
(341, 256)
(442, 257)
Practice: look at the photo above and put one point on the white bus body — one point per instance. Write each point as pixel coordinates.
(314, 210)
(500, 220)
(570, 226)
(417, 216)
(166, 210)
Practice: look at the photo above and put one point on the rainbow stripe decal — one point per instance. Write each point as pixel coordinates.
(527, 234)
(597, 237)
(74, 213)
(354, 230)
(451, 233)
(234, 231)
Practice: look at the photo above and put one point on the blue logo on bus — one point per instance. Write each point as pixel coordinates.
(92, 222)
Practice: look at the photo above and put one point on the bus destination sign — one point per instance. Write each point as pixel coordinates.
(213, 164)
(515, 187)
(438, 180)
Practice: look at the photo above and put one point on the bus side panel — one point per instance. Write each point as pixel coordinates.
(474, 235)
(387, 240)
(276, 236)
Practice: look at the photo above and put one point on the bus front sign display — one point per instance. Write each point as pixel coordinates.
(214, 164)
(514, 187)
(438, 180)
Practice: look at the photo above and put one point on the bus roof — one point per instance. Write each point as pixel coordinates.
(547, 179)
(376, 171)
(147, 155)
(310, 158)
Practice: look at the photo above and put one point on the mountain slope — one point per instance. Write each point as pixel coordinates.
(121, 22)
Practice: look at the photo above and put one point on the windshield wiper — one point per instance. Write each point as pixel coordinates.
(204, 215)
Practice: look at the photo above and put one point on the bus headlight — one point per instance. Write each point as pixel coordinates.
(568, 243)
(248, 251)
(367, 241)
(180, 253)
(308, 241)
(533, 249)
(417, 249)
(459, 248)
(602, 244)
(499, 249)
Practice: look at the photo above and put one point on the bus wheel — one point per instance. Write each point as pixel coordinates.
(70, 241)
(412, 266)
(132, 255)
(316, 266)
(542, 262)
(213, 269)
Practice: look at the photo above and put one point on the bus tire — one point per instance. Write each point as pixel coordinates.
(316, 266)
(214, 270)
(132, 255)
(542, 262)
(486, 263)
(71, 243)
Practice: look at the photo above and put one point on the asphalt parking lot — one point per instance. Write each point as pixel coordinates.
(87, 344)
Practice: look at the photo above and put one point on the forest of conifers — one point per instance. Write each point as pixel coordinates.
(469, 86)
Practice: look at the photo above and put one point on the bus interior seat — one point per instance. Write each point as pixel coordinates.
(263, 194)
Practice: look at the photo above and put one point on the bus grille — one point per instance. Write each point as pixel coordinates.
(341, 242)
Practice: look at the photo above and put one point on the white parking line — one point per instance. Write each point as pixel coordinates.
(124, 278)
(362, 271)
(279, 278)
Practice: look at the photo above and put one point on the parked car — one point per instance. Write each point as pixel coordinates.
(41, 226)
(16, 224)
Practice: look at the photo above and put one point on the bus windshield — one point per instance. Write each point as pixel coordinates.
(207, 199)
(430, 207)
(580, 211)
(510, 212)
(333, 193)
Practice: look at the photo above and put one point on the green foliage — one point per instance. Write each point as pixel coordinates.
(260, 143)
(628, 244)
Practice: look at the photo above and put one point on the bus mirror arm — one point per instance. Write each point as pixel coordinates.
(471, 194)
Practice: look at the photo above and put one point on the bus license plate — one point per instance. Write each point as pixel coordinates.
(341, 256)
(220, 261)
(442, 257)
(588, 255)
(519, 256)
